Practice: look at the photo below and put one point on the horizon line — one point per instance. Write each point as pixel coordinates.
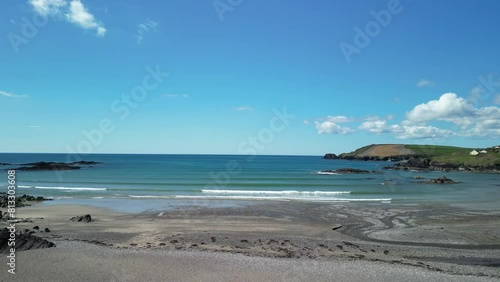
(192, 154)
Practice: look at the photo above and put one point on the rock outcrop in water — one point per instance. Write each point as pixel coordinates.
(331, 157)
(41, 166)
(349, 171)
(440, 180)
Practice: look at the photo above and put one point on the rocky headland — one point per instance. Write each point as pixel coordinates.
(427, 157)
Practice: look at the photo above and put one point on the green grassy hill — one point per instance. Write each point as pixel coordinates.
(457, 155)
(433, 150)
(437, 155)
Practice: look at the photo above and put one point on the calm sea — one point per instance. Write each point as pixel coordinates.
(149, 181)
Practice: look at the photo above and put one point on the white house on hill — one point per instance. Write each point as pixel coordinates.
(483, 152)
(474, 153)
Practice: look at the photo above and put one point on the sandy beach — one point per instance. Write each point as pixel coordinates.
(271, 241)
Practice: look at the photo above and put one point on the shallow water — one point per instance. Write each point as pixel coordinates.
(209, 179)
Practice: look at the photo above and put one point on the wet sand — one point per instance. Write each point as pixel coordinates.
(272, 241)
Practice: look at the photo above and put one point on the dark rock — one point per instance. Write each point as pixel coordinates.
(83, 218)
(24, 241)
(337, 227)
(41, 166)
(413, 163)
(440, 180)
(47, 230)
(5, 164)
(36, 228)
(418, 162)
(331, 157)
(21, 201)
(350, 171)
(86, 163)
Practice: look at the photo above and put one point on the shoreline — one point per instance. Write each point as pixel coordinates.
(85, 262)
(441, 239)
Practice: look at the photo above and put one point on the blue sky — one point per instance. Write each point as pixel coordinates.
(347, 74)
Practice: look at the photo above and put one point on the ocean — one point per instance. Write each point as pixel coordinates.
(131, 182)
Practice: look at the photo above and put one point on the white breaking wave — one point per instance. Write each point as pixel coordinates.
(151, 197)
(252, 195)
(63, 188)
(234, 198)
(326, 173)
(275, 198)
(285, 192)
(322, 199)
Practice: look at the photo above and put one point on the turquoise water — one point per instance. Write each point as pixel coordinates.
(211, 179)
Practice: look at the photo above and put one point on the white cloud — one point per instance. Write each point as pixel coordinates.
(76, 13)
(142, 28)
(496, 100)
(176, 95)
(424, 83)
(420, 132)
(307, 122)
(405, 131)
(101, 31)
(449, 106)
(11, 95)
(377, 126)
(449, 110)
(484, 122)
(48, 7)
(331, 127)
(339, 119)
(244, 109)
(79, 15)
(477, 91)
